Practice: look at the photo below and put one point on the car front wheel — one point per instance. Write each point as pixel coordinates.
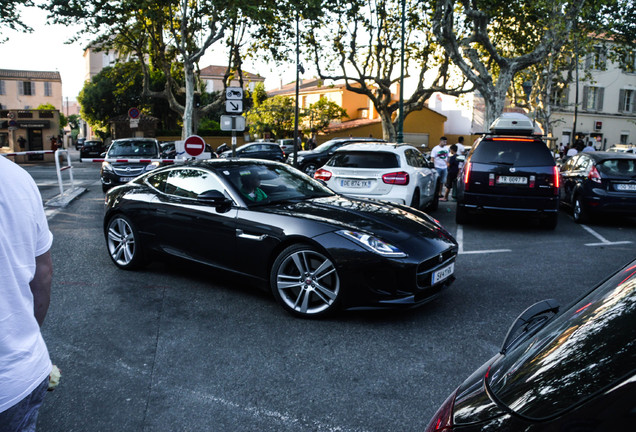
(123, 243)
(305, 282)
(578, 211)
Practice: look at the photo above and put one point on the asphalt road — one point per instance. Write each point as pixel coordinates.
(180, 347)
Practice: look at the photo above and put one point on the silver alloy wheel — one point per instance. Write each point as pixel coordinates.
(121, 241)
(577, 211)
(310, 169)
(307, 282)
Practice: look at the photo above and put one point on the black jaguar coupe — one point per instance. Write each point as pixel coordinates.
(316, 250)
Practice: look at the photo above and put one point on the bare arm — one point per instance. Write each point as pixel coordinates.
(41, 285)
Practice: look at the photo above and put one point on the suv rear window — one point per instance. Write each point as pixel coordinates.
(359, 159)
(522, 152)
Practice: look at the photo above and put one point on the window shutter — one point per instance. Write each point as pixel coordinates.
(599, 98)
(632, 101)
(565, 97)
(621, 100)
(20, 87)
(588, 61)
(585, 96)
(33, 88)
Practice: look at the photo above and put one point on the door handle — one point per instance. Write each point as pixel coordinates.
(241, 234)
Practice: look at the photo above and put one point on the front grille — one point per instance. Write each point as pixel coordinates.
(132, 172)
(425, 269)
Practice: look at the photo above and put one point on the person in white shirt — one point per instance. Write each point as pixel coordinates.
(460, 146)
(26, 271)
(439, 155)
(571, 151)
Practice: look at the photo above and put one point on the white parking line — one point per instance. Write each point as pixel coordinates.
(604, 241)
(460, 241)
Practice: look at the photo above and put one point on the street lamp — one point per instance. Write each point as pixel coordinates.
(400, 131)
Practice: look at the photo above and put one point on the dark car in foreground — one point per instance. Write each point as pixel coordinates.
(310, 160)
(132, 157)
(598, 183)
(258, 150)
(317, 251)
(574, 370)
(92, 149)
(509, 170)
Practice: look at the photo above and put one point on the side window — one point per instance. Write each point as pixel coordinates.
(569, 164)
(191, 182)
(253, 148)
(158, 181)
(581, 163)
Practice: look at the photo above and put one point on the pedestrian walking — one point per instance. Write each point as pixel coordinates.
(439, 155)
(453, 172)
(25, 290)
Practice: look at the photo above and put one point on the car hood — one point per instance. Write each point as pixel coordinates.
(391, 222)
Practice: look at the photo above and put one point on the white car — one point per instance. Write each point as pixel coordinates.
(397, 173)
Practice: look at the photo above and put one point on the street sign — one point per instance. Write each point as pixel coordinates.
(133, 113)
(234, 93)
(134, 123)
(194, 145)
(234, 106)
(232, 123)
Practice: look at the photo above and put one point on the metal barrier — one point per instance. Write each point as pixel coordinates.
(59, 169)
(34, 152)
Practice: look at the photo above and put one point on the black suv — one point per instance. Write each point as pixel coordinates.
(310, 160)
(258, 150)
(92, 149)
(510, 170)
(132, 155)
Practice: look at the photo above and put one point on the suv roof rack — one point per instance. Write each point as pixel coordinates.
(512, 124)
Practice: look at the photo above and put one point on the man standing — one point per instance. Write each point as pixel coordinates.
(460, 146)
(439, 154)
(589, 147)
(26, 272)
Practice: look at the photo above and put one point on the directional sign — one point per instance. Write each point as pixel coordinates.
(234, 106)
(194, 145)
(234, 93)
(232, 123)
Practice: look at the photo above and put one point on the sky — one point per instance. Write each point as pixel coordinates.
(45, 50)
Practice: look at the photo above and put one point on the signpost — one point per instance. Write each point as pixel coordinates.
(194, 145)
(133, 114)
(233, 105)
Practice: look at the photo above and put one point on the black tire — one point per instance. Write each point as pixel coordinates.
(461, 215)
(434, 204)
(415, 201)
(123, 243)
(309, 169)
(305, 282)
(550, 222)
(105, 188)
(579, 214)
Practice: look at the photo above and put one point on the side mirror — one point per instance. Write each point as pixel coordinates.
(532, 319)
(221, 203)
(102, 155)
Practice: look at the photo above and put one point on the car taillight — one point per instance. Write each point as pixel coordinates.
(443, 418)
(594, 175)
(532, 181)
(322, 174)
(557, 180)
(396, 178)
(467, 174)
(491, 179)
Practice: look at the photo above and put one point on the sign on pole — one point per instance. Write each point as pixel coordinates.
(134, 113)
(194, 145)
(233, 93)
(234, 106)
(232, 123)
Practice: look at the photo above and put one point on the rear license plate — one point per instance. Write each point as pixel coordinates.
(355, 183)
(512, 180)
(125, 179)
(444, 273)
(625, 187)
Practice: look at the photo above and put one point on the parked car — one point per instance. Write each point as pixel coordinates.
(570, 369)
(287, 144)
(79, 143)
(137, 149)
(316, 250)
(622, 148)
(509, 170)
(596, 183)
(92, 149)
(310, 160)
(397, 173)
(258, 150)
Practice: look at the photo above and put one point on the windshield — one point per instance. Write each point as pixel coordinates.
(586, 349)
(133, 149)
(262, 184)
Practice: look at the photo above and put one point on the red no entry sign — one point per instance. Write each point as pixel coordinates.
(194, 145)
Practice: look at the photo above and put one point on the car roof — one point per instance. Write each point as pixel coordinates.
(600, 155)
(392, 147)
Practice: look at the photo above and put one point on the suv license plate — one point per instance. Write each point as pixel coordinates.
(512, 180)
(125, 179)
(625, 187)
(444, 273)
(355, 183)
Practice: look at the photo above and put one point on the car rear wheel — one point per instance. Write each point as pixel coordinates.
(578, 211)
(123, 243)
(415, 201)
(434, 204)
(305, 282)
(309, 169)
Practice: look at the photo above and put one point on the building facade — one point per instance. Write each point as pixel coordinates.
(213, 77)
(24, 90)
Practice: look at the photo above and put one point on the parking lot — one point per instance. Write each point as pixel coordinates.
(180, 347)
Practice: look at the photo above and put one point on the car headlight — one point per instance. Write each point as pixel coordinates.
(151, 166)
(373, 243)
(106, 166)
(300, 159)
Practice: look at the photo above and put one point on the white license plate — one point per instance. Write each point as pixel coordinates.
(444, 273)
(512, 180)
(625, 187)
(125, 179)
(349, 183)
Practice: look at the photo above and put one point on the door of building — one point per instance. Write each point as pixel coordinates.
(35, 143)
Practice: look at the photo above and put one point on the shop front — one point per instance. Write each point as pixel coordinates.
(29, 131)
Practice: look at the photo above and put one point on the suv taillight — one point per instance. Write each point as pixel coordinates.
(557, 180)
(467, 174)
(594, 175)
(443, 418)
(396, 178)
(322, 174)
